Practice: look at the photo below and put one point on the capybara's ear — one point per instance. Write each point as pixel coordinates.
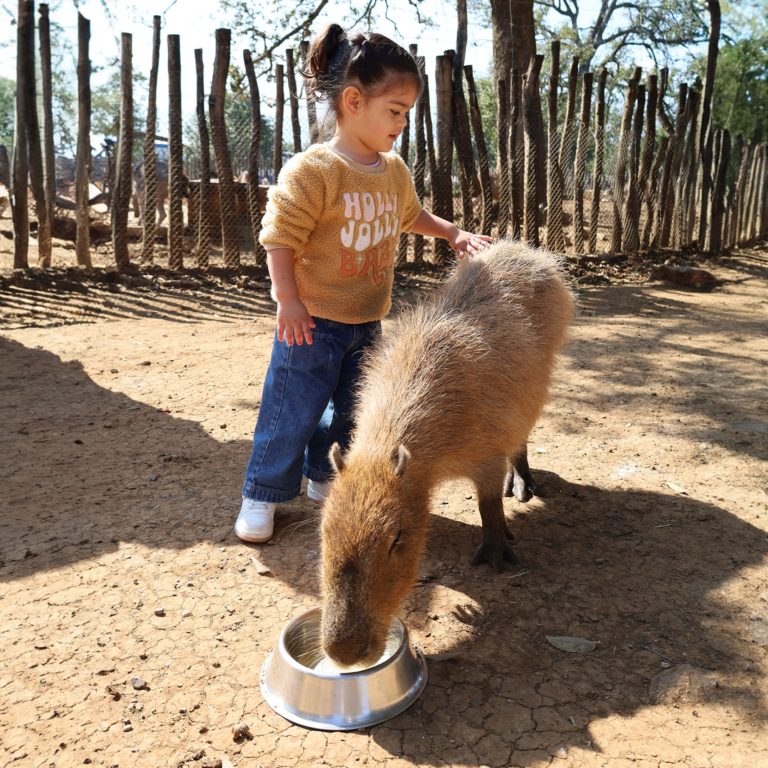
(400, 460)
(336, 458)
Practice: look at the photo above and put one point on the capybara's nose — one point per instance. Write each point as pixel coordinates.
(347, 650)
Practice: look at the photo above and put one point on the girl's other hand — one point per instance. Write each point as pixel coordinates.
(469, 244)
(294, 323)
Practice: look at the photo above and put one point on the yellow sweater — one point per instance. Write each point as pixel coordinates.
(343, 221)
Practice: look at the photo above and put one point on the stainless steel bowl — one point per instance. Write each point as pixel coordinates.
(345, 700)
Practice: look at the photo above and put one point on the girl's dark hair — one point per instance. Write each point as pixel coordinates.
(371, 61)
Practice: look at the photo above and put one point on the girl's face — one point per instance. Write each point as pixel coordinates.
(375, 122)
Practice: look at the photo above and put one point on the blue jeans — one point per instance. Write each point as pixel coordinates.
(306, 407)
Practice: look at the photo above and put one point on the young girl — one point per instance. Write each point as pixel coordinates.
(331, 231)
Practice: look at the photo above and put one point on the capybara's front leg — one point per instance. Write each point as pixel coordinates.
(519, 480)
(495, 548)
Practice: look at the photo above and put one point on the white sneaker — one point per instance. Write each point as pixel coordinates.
(256, 521)
(317, 491)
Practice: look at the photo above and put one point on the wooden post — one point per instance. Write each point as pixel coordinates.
(32, 125)
(672, 169)
(580, 164)
(175, 158)
(432, 158)
(706, 129)
(277, 164)
(515, 160)
(83, 158)
(687, 181)
(555, 238)
(622, 160)
(204, 189)
(566, 144)
(501, 208)
(630, 240)
(124, 176)
(463, 146)
(715, 240)
(254, 208)
(149, 203)
(230, 244)
(44, 243)
(20, 145)
(294, 98)
(742, 158)
(314, 131)
(646, 180)
(442, 187)
(421, 154)
(755, 183)
(597, 177)
(482, 151)
(530, 93)
(405, 146)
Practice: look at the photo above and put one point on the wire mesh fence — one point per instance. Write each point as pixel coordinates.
(197, 197)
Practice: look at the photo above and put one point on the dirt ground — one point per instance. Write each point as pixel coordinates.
(127, 411)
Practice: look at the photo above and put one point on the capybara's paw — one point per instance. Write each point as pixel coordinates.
(495, 554)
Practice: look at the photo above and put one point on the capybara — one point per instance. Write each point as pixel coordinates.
(451, 391)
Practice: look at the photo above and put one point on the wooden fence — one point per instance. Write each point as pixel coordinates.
(674, 184)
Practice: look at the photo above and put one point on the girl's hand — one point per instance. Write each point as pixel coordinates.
(468, 244)
(294, 323)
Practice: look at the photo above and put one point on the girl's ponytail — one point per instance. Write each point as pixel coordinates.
(326, 62)
(369, 61)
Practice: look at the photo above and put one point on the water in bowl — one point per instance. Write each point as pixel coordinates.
(304, 644)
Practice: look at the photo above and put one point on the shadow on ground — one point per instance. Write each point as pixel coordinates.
(639, 572)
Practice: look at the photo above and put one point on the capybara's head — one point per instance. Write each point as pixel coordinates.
(373, 534)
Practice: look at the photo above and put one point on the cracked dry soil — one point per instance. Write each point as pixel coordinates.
(133, 624)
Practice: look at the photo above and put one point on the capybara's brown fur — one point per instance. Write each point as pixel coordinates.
(452, 390)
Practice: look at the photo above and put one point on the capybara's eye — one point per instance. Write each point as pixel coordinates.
(396, 540)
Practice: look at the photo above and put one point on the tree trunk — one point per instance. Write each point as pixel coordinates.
(254, 208)
(204, 188)
(230, 244)
(277, 163)
(32, 126)
(705, 129)
(175, 158)
(523, 44)
(83, 161)
(420, 160)
(49, 158)
(580, 165)
(149, 204)
(294, 98)
(555, 239)
(124, 178)
(314, 132)
(597, 178)
(482, 152)
(532, 104)
(442, 187)
(20, 146)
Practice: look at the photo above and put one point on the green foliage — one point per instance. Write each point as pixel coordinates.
(106, 101)
(7, 111)
(740, 101)
(487, 102)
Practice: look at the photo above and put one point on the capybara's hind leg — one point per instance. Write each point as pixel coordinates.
(495, 548)
(519, 480)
